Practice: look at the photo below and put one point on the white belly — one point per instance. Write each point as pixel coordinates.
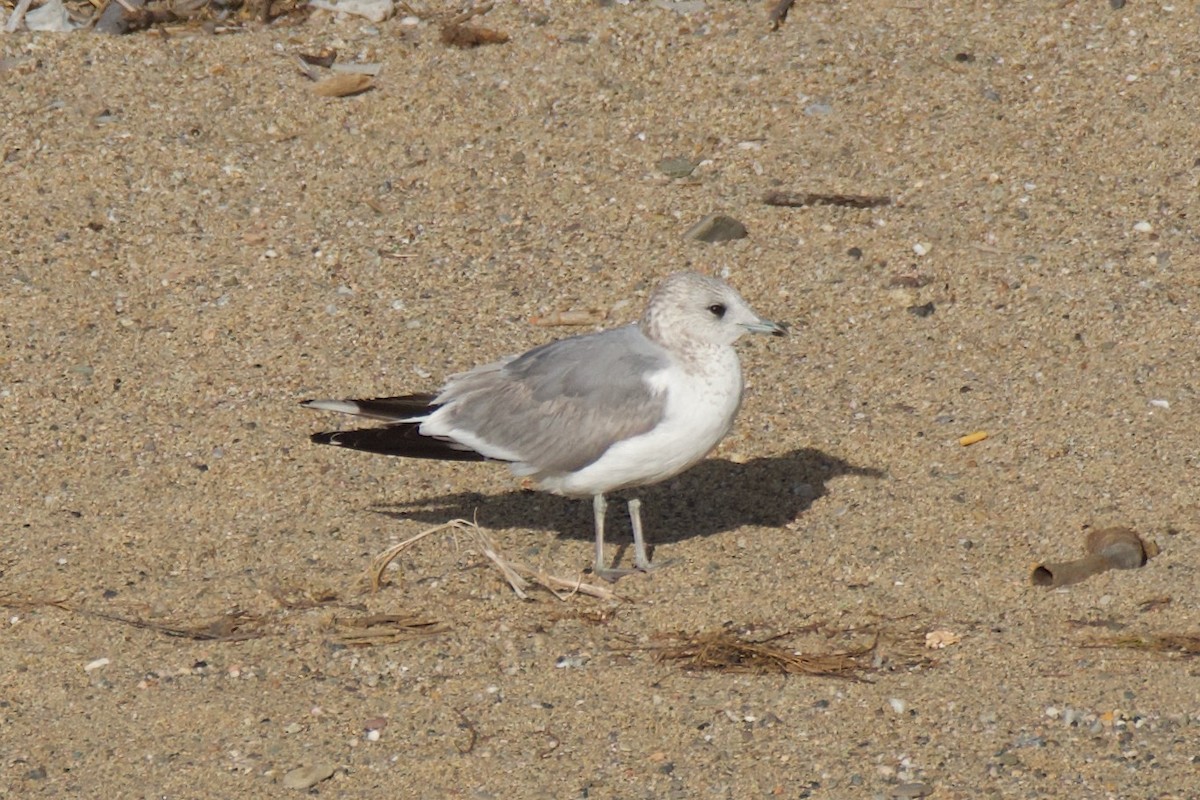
(699, 412)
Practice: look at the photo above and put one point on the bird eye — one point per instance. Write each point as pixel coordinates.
(717, 310)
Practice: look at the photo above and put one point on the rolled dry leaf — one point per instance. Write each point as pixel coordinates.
(1069, 572)
(1108, 548)
(343, 85)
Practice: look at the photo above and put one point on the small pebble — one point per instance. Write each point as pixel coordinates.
(570, 662)
(897, 705)
(1143, 227)
(908, 791)
(308, 776)
(97, 664)
(677, 167)
(716, 228)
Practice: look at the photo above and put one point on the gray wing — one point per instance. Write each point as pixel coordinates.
(560, 406)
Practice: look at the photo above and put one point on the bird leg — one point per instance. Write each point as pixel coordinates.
(640, 558)
(599, 508)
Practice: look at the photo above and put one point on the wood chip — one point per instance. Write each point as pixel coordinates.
(569, 318)
(467, 36)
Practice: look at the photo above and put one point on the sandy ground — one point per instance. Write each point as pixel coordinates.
(193, 242)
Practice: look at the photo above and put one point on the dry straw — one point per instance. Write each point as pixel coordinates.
(519, 576)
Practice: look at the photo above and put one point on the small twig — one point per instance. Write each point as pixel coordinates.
(299, 599)
(725, 649)
(1154, 604)
(1182, 643)
(779, 13)
(470, 728)
(489, 549)
(381, 561)
(9, 600)
(987, 248)
(518, 575)
(377, 629)
(801, 199)
(569, 318)
(471, 11)
(226, 628)
(306, 69)
(18, 16)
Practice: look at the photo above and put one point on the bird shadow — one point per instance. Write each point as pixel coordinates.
(714, 496)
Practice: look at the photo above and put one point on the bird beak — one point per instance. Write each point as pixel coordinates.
(766, 326)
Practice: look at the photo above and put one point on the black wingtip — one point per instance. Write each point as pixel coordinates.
(402, 439)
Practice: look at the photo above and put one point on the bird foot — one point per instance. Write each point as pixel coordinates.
(613, 574)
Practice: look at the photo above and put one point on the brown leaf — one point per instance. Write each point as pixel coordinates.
(343, 85)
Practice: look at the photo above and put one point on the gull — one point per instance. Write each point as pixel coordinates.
(586, 415)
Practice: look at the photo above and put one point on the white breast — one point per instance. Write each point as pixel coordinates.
(700, 408)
